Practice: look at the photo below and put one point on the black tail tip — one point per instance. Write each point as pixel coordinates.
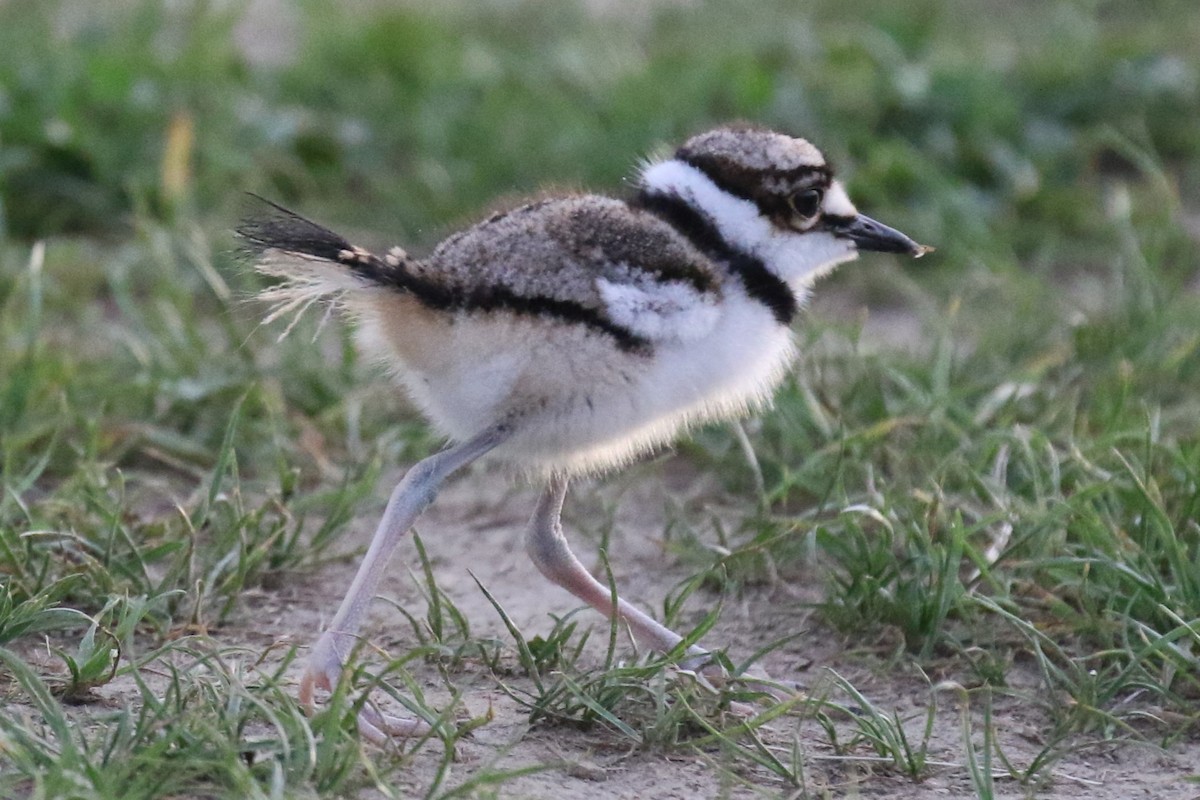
(267, 225)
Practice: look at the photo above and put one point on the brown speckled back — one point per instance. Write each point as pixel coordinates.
(558, 248)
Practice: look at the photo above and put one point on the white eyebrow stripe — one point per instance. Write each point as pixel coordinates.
(837, 202)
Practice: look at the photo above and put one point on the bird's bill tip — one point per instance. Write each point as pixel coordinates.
(870, 234)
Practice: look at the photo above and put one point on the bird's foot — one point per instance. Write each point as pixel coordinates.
(378, 728)
(323, 669)
(324, 664)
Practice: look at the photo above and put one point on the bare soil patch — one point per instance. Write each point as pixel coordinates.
(476, 526)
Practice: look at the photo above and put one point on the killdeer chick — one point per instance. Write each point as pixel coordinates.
(572, 334)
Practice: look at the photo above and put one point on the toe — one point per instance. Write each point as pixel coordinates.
(369, 731)
(405, 726)
(378, 727)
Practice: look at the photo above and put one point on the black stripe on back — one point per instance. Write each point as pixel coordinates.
(281, 229)
(488, 298)
(498, 298)
(761, 284)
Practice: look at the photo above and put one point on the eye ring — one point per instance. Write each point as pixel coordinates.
(806, 203)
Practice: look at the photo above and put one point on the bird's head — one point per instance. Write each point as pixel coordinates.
(773, 197)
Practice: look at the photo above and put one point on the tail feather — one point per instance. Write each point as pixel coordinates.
(313, 263)
(277, 228)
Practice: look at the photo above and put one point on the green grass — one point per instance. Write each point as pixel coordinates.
(1013, 504)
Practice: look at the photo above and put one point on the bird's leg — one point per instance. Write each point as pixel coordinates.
(548, 548)
(411, 496)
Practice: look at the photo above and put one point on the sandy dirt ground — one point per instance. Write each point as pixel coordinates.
(476, 526)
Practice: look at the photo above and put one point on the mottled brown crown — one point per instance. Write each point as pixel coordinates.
(757, 164)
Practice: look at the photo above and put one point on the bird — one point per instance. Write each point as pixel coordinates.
(571, 334)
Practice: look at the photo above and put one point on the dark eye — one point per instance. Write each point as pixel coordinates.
(806, 203)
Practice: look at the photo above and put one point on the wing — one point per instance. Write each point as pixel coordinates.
(592, 254)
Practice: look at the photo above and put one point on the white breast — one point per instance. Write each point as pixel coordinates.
(638, 403)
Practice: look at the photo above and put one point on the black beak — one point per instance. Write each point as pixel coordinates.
(871, 235)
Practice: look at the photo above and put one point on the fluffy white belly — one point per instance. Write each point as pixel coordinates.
(608, 416)
(579, 403)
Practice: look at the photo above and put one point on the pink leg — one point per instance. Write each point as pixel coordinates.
(410, 497)
(548, 548)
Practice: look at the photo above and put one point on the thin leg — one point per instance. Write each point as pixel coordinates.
(411, 496)
(548, 548)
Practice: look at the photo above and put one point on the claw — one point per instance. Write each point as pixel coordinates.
(324, 665)
(379, 728)
(322, 670)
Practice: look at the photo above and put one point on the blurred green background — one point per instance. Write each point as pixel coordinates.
(983, 125)
(1039, 375)
(1023, 139)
